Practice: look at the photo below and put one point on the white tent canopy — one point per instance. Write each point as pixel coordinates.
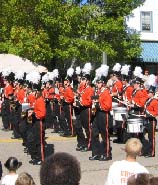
(15, 63)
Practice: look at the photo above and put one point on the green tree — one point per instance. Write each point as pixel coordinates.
(57, 32)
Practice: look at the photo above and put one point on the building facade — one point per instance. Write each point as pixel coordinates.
(144, 20)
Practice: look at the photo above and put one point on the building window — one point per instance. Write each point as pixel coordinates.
(146, 21)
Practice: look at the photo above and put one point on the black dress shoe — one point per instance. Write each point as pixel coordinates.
(16, 137)
(104, 158)
(118, 141)
(95, 157)
(78, 148)
(6, 129)
(31, 161)
(84, 149)
(149, 155)
(37, 162)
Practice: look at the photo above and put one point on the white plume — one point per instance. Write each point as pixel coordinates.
(138, 72)
(151, 80)
(56, 73)
(45, 78)
(51, 75)
(87, 68)
(70, 72)
(6, 71)
(104, 70)
(33, 77)
(125, 69)
(101, 71)
(19, 75)
(78, 70)
(116, 67)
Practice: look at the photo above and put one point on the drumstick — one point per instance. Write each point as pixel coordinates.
(137, 115)
(121, 101)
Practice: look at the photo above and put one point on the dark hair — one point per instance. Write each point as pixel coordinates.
(12, 163)
(140, 179)
(60, 169)
(154, 181)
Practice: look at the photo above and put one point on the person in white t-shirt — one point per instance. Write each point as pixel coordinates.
(12, 164)
(120, 170)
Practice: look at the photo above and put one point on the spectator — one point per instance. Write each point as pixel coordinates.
(12, 164)
(154, 181)
(142, 179)
(120, 170)
(60, 168)
(24, 179)
(1, 171)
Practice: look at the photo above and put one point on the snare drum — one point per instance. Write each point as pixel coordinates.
(25, 106)
(135, 125)
(118, 112)
(114, 105)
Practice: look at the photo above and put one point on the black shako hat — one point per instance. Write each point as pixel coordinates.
(151, 89)
(86, 76)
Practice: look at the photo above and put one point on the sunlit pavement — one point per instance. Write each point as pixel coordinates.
(93, 172)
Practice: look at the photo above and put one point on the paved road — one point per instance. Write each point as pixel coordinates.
(93, 172)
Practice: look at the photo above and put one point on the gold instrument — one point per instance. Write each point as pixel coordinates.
(94, 101)
(29, 116)
(12, 104)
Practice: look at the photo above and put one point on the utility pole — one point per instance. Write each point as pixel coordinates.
(105, 58)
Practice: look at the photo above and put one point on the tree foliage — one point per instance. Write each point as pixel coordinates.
(56, 32)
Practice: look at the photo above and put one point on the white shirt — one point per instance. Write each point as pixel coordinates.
(120, 171)
(9, 179)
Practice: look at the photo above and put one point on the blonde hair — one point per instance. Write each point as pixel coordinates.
(133, 147)
(24, 179)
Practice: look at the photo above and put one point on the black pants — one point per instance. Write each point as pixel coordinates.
(5, 112)
(67, 113)
(101, 126)
(36, 140)
(150, 128)
(81, 141)
(85, 121)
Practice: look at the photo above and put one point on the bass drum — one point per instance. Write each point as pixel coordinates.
(135, 125)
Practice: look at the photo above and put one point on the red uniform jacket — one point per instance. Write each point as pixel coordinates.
(86, 96)
(45, 93)
(152, 107)
(68, 95)
(40, 108)
(138, 98)
(61, 91)
(21, 95)
(51, 93)
(117, 87)
(105, 100)
(31, 99)
(127, 93)
(8, 89)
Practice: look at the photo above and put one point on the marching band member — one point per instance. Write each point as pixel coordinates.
(48, 94)
(103, 105)
(85, 103)
(117, 85)
(126, 96)
(67, 101)
(151, 112)
(36, 145)
(116, 93)
(5, 111)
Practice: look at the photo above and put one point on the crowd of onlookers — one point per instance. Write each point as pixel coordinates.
(64, 169)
